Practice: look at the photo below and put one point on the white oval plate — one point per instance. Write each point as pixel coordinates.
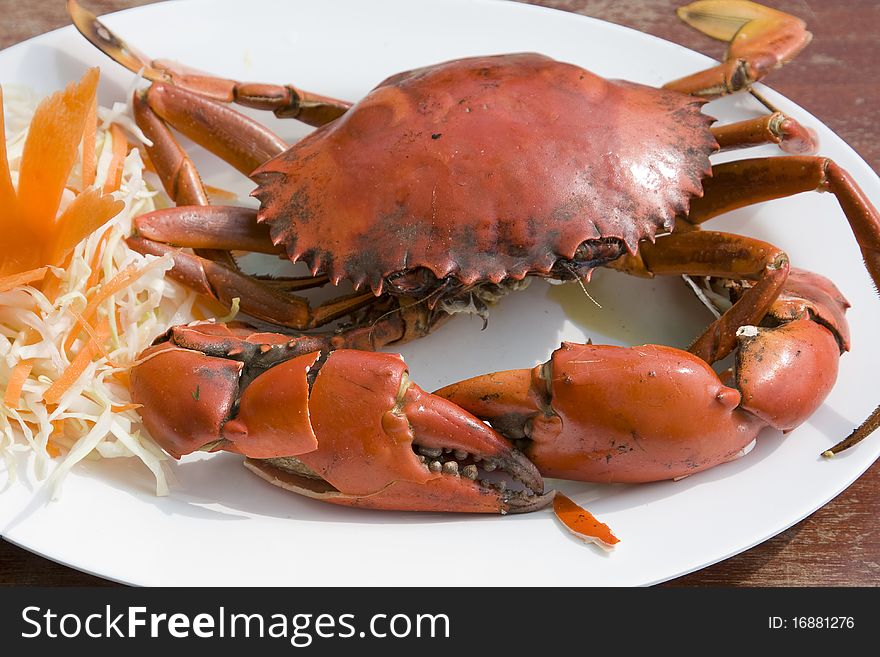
(222, 526)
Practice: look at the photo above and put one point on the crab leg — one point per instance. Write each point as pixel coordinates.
(212, 231)
(720, 255)
(649, 413)
(227, 227)
(745, 182)
(737, 184)
(286, 101)
(232, 136)
(760, 40)
(258, 298)
(774, 128)
(178, 174)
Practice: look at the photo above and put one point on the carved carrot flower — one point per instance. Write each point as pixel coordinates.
(36, 234)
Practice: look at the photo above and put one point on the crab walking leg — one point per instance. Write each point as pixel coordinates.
(175, 169)
(235, 138)
(760, 40)
(745, 182)
(774, 128)
(224, 227)
(286, 101)
(720, 255)
(230, 135)
(227, 227)
(210, 230)
(257, 298)
(648, 413)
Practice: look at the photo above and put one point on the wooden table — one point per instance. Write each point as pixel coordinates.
(838, 80)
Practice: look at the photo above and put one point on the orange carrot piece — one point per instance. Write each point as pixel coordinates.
(95, 262)
(7, 191)
(90, 133)
(52, 449)
(32, 336)
(19, 251)
(20, 373)
(23, 278)
(52, 283)
(123, 377)
(85, 214)
(50, 151)
(119, 282)
(85, 356)
(121, 408)
(13, 258)
(94, 336)
(582, 523)
(120, 149)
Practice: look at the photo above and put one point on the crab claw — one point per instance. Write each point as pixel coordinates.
(382, 442)
(347, 427)
(636, 414)
(613, 414)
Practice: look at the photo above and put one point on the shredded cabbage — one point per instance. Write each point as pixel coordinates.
(91, 419)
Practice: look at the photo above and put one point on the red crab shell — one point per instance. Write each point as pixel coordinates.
(485, 169)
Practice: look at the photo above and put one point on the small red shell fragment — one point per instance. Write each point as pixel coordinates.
(582, 523)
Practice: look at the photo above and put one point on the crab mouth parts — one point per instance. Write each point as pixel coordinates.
(450, 295)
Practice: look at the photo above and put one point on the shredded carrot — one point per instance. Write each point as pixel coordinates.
(89, 164)
(31, 336)
(52, 449)
(122, 408)
(19, 375)
(24, 278)
(582, 523)
(94, 336)
(52, 283)
(117, 320)
(119, 282)
(95, 262)
(85, 356)
(123, 377)
(120, 149)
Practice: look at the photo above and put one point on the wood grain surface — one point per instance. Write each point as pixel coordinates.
(838, 80)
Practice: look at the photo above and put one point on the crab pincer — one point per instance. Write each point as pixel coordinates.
(638, 414)
(347, 427)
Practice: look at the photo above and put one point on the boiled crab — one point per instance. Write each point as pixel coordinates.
(505, 167)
